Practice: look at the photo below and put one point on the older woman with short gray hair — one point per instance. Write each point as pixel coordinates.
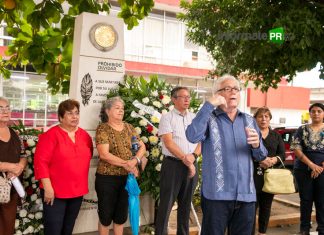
(113, 139)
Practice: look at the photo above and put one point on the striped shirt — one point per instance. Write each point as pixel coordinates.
(176, 123)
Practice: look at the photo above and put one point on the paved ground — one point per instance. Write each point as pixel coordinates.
(278, 209)
(284, 230)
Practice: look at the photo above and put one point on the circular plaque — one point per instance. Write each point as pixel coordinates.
(103, 36)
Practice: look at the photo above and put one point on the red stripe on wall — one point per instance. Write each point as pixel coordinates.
(2, 52)
(169, 2)
(147, 68)
(283, 97)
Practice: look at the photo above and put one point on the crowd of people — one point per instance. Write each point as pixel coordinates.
(236, 150)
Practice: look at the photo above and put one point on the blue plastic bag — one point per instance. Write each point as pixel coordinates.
(133, 202)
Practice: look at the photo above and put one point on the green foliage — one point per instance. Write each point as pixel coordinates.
(155, 94)
(43, 33)
(260, 60)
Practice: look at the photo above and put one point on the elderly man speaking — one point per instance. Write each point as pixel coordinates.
(230, 141)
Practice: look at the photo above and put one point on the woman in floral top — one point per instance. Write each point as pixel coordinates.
(113, 139)
(308, 146)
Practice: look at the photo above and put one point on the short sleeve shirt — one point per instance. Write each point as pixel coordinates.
(12, 150)
(176, 123)
(119, 145)
(311, 143)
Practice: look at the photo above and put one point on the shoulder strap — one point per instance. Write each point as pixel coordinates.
(281, 161)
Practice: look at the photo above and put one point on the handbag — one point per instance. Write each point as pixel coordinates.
(278, 181)
(5, 188)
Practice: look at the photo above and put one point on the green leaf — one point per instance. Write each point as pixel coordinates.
(53, 42)
(48, 46)
(26, 28)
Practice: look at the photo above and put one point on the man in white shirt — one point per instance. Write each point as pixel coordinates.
(178, 172)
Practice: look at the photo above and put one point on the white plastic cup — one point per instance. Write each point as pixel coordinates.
(18, 186)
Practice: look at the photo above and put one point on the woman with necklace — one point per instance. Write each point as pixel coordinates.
(276, 149)
(113, 139)
(62, 161)
(308, 146)
(12, 163)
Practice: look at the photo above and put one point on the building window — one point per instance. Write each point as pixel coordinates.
(30, 100)
(194, 55)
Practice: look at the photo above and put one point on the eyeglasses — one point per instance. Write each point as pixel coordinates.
(184, 97)
(4, 109)
(229, 89)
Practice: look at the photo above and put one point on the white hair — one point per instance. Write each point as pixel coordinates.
(223, 78)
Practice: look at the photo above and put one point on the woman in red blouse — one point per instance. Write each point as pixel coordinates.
(62, 161)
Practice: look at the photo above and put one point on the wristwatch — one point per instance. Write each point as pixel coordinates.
(138, 160)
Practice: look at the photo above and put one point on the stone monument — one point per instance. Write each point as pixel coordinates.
(97, 66)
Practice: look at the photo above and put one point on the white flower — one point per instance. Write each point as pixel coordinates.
(155, 152)
(33, 150)
(16, 223)
(164, 92)
(155, 131)
(26, 220)
(133, 114)
(34, 186)
(18, 232)
(33, 197)
(38, 201)
(141, 112)
(155, 119)
(166, 99)
(171, 107)
(142, 122)
(26, 183)
(157, 104)
(22, 213)
(28, 152)
(33, 180)
(161, 158)
(144, 139)
(29, 159)
(138, 130)
(31, 216)
(155, 93)
(153, 139)
(38, 215)
(27, 173)
(147, 154)
(158, 167)
(191, 110)
(29, 230)
(164, 111)
(30, 142)
(145, 100)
